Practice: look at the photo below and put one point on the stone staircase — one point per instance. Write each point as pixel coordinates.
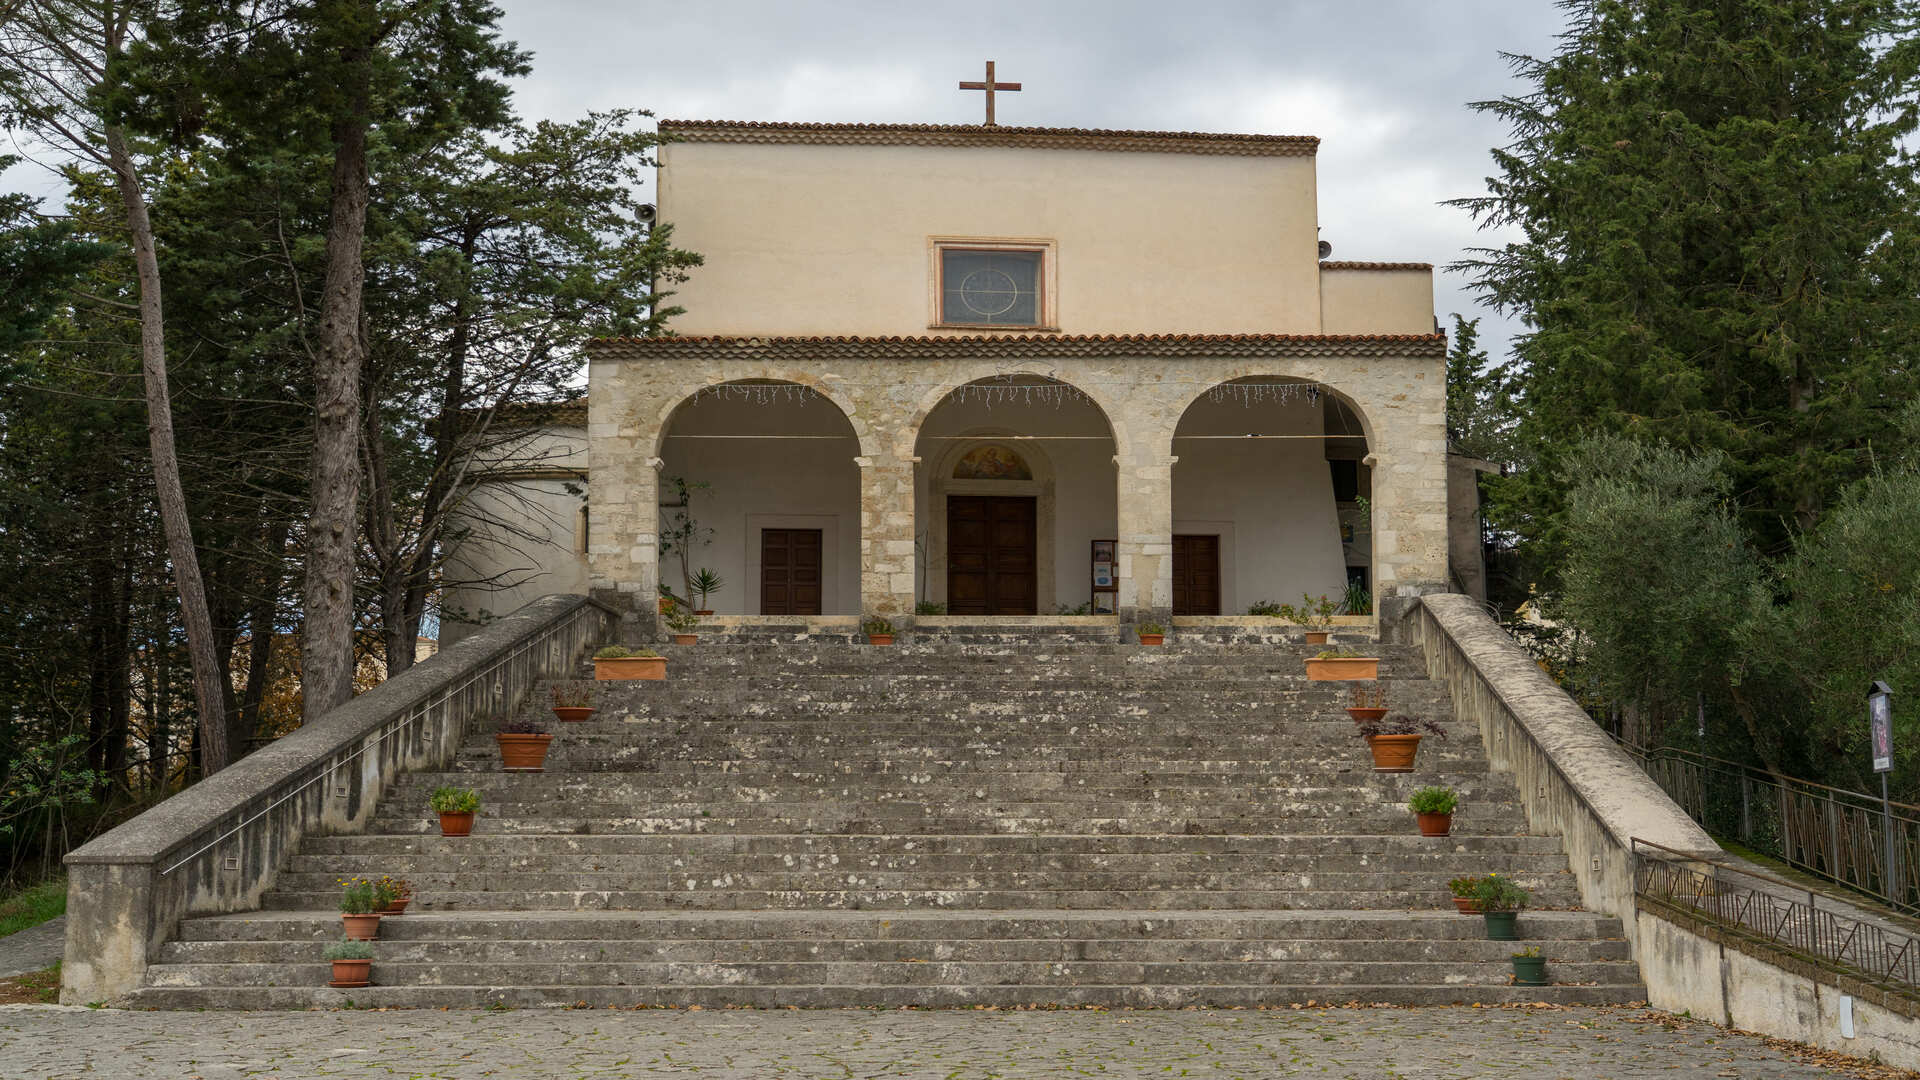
(938, 824)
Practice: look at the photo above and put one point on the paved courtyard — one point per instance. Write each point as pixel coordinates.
(1541, 1044)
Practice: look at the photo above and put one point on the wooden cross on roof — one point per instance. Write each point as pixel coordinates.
(989, 86)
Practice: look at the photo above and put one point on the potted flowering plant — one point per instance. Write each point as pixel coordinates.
(617, 662)
(1152, 633)
(352, 963)
(1396, 739)
(1462, 889)
(682, 623)
(1315, 615)
(573, 701)
(456, 807)
(1433, 808)
(879, 630)
(523, 744)
(1529, 967)
(1500, 903)
(1367, 703)
(393, 894)
(1341, 665)
(359, 909)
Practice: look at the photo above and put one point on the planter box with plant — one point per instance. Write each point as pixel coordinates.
(523, 744)
(573, 701)
(456, 807)
(879, 630)
(1396, 739)
(618, 663)
(1367, 704)
(1342, 665)
(682, 623)
(360, 903)
(1433, 808)
(1529, 967)
(1462, 890)
(1151, 633)
(352, 963)
(1500, 903)
(395, 892)
(1315, 615)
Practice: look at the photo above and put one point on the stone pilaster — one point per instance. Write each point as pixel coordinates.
(1145, 512)
(886, 536)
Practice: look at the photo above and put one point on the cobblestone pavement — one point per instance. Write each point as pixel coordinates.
(1541, 1044)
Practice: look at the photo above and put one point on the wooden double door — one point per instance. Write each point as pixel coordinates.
(992, 567)
(1196, 575)
(790, 571)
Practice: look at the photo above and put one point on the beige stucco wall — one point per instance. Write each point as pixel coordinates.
(1366, 301)
(808, 239)
(1401, 401)
(525, 539)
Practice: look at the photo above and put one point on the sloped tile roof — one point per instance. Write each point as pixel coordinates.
(1165, 142)
(1017, 346)
(1332, 265)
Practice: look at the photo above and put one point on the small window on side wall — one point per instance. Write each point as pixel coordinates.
(992, 285)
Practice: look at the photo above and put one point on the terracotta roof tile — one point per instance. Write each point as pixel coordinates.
(1332, 265)
(976, 346)
(1175, 142)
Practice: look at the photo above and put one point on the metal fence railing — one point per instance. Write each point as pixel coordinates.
(1778, 915)
(1829, 832)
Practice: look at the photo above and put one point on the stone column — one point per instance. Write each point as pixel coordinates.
(1409, 519)
(886, 535)
(1145, 512)
(623, 505)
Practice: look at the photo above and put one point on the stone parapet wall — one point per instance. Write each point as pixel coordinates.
(219, 845)
(1144, 387)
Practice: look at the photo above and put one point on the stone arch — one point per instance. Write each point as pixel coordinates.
(676, 398)
(1110, 409)
(1287, 535)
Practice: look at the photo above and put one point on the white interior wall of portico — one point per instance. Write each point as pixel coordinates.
(888, 390)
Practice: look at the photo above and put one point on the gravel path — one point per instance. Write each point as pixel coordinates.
(1374, 1044)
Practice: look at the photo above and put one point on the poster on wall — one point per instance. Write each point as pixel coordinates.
(1103, 603)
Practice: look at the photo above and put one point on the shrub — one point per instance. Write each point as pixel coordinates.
(358, 896)
(1150, 628)
(1433, 800)
(350, 949)
(454, 800)
(1497, 893)
(928, 607)
(876, 624)
(1464, 886)
(1264, 607)
(572, 695)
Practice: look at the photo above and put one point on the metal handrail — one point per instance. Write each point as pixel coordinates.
(1771, 912)
(1829, 832)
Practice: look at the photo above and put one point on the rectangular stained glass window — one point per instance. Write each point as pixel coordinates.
(990, 288)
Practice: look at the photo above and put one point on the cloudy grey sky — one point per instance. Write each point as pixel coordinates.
(1384, 83)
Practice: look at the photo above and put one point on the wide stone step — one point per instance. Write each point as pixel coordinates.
(1048, 844)
(555, 821)
(928, 784)
(728, 898)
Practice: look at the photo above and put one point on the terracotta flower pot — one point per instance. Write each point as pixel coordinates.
(1466, 905)
(879, 639)
(360, 927)
(1393, 753)
(348, 974)
(398, 907)
(666, 604)
(460, 824)
(1343, 668)
(704, 612)
(1435, 824)
(574, 714)
(685, 639)
(523, 753)
(630, 667)
(1362, 716)
(1153, 639)
(1317, 637)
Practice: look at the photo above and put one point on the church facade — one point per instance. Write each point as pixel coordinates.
(997, 371)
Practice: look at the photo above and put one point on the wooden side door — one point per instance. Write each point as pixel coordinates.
(790, 571)
(992, 568)
(1196, 575)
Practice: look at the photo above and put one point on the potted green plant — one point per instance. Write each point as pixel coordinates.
(705, 583)
(523, 744)
(352, 963)
(1500, 903)
(1461, 890)
(619, 663)
(929, 607)
(879, 630)
(394, 894)
(1529, 967)
(1316, 615)
(359, 909)
(1341, 665)
(573, 701)
(456, 807)
(666, 598)
(1396, 739)
(1367, 703)
(682, 623)
(1151, 633)
(1433, 808)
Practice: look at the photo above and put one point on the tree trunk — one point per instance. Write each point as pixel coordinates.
(326, 647)
(261, 630)
(209, 699)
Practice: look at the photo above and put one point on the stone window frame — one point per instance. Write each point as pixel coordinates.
(1047, 249)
